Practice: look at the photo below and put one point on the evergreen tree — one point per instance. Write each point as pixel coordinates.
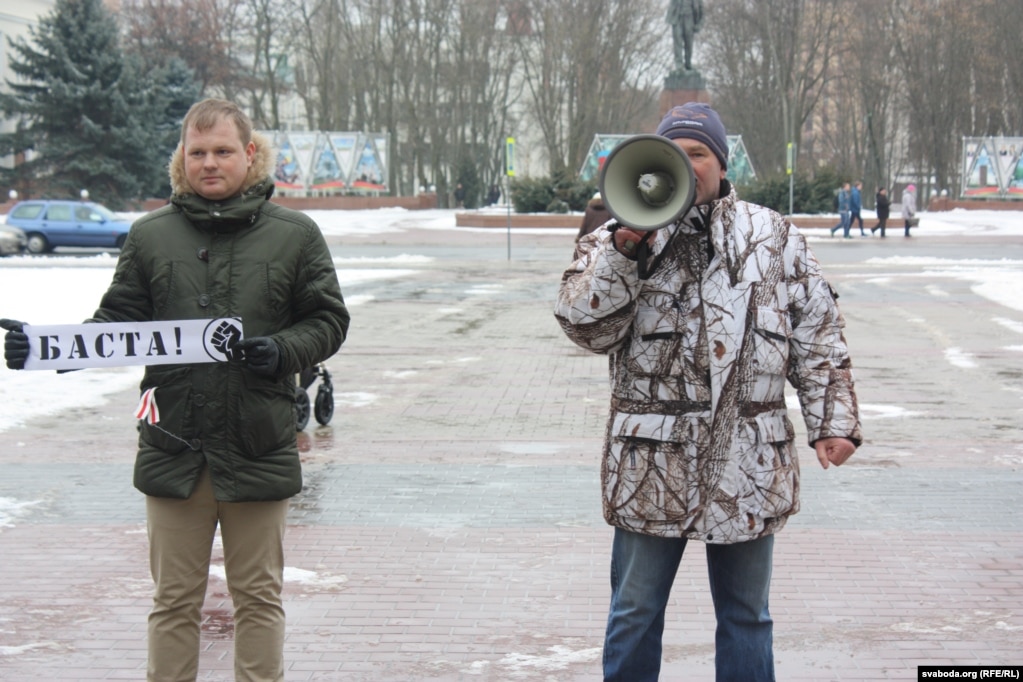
(89, 118)
(175, 91)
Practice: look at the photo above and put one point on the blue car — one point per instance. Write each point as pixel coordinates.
(49, 223)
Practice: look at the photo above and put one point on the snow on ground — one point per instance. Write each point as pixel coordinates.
(67, 290)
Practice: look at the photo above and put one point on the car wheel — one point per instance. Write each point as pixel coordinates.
(37, 244)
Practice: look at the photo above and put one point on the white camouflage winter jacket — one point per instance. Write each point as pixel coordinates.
(698, 441)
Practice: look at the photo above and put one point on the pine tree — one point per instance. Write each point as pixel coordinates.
(176, 91)
(89, 118)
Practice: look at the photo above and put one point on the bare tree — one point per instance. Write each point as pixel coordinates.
(937, 64)
(435, 74)
(769, 63)
(194, 31)
(872, 77)
(588, 68)
(1003, 29)
(871, 88)
(266, 31)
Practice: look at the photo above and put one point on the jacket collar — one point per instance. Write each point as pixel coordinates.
(228, 214)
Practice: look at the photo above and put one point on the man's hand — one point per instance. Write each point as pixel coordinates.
(260, 354)
(15, 343)
(834, 451)
(627, 241)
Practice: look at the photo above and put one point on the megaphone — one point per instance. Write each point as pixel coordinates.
(647, 182)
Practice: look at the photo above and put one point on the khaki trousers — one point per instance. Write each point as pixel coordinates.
(180, 542)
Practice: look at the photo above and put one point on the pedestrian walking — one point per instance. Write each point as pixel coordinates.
(908, 206)
(844, 211)
(882, 204)
(856, 206)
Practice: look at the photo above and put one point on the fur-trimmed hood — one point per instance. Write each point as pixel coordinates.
(260, 170)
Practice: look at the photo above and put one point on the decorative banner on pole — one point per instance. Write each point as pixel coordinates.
(509, 156)
(120, 344)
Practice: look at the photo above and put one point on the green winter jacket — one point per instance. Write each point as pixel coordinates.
(247, 258)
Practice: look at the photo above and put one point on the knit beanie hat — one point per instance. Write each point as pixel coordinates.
(696, 121)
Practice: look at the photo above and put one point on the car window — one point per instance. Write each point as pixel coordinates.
(27, 211)
(86, 214)
(59, 212)
(103, 211)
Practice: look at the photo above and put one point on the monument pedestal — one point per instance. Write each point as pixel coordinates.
(681, 87)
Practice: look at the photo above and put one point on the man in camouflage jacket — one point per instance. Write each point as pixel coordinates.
(699, 444)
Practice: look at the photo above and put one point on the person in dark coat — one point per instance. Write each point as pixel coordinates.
(595, 215)
(222, 451)
(882, 204)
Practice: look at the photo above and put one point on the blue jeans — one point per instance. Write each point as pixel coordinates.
(643, 568)
(844, 223)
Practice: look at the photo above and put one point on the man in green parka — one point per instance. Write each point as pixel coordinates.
(224, 450)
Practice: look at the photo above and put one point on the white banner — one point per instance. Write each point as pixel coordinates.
(119, 344)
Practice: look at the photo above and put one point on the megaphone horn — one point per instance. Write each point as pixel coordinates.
(647, 182)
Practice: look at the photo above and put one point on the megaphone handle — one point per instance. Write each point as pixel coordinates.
(642, 256)
(646, 267)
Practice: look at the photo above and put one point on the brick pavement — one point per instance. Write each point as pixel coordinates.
(450, 528)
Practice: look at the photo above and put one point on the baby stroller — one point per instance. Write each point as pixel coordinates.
(323, 407)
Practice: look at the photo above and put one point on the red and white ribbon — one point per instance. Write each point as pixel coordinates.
(147, 408)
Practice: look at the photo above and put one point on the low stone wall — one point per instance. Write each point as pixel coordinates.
(337, 203)
(949, 204)
(473, 219)
(573, 220)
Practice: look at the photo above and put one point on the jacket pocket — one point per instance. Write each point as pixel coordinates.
(773, 468)
(268, 415)
(651, 468)
(173, 397)
(656, 343)
(772, 332)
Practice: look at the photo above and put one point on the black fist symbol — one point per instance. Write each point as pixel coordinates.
(225, 339)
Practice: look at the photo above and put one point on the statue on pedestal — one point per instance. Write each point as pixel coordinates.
(685, 18)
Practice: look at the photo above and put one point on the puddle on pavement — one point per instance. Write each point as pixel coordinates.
(217, 623)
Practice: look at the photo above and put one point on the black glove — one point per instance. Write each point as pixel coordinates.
(15, 344)
(260, 354)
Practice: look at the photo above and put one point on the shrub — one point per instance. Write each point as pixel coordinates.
(809, 195)
(531, 195)
(560, 194)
